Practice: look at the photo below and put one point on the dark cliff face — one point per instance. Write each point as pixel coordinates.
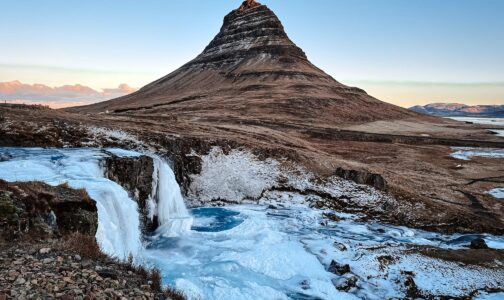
(134, 174)
(35, 210)
(246, 35)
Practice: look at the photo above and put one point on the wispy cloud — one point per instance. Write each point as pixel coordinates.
(57, 97)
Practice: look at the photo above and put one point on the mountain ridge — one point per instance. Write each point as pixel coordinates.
(460, 110)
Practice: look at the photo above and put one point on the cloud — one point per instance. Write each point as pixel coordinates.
(57, 97)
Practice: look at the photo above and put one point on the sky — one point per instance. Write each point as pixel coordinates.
(405, 52)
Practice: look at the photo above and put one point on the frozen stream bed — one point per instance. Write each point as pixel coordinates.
(278, 248)
(266, 252)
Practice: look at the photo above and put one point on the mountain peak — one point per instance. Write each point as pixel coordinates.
(253, 70)
(247, 5)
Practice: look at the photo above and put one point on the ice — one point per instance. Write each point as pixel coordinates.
(497, 193)
(287, 250)
(484, 121)
(488, 296)
(173, 217)
(123, 153)
(498, 132)
(466, 153)
(118, 231)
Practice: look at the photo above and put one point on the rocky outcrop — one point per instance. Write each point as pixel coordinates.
(36, 210)
(247, 5)
(134, 174)
(363, 177)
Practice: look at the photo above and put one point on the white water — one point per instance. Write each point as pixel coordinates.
(173, 217)
(118, 231)
(118, 219)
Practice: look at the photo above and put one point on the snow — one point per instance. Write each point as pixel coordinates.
(284, 253)
(466, 153)
(497, 193)
(484, 121)
(487, 296)
(123, 152)
(239, 176)
(112, 135)
(498, 132)
(233, 176)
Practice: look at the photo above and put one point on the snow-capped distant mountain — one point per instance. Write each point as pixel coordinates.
(460, 110)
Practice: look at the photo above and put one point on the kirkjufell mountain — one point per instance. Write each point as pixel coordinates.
(251, 69)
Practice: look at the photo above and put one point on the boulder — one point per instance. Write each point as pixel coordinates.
(338, 269)
(478, 244)
(363, 177)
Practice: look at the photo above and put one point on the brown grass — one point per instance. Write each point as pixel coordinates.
(85, 245)
(64, 185)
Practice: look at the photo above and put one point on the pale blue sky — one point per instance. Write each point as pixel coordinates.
(375, 44)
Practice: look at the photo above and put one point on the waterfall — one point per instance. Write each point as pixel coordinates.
(173, 216)
(118, 232)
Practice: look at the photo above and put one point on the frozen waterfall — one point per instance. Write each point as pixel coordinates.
(173, 217)
(118, 231)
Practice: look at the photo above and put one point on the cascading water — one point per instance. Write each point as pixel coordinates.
(173, 217)
(118, 231)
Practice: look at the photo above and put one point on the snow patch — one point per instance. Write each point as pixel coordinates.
(466, 153)
(497, 193)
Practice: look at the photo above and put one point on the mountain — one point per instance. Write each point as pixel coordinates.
(460, 110)
(252, 70)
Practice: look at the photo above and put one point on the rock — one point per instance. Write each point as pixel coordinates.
(106, 273)
(478, 244)
(20, 281)
(134, 174)
(338, 269)
(340, 246)
(48, 260)
(248, 4)
(5, 157)
(363, 177)
(305, 284)
(346, 284)
(41, 211)
(44, 250)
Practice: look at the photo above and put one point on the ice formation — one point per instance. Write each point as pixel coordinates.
(118, 219)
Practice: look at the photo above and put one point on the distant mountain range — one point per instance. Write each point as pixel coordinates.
(460, 110)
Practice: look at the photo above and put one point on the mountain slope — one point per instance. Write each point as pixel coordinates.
(252, 70)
